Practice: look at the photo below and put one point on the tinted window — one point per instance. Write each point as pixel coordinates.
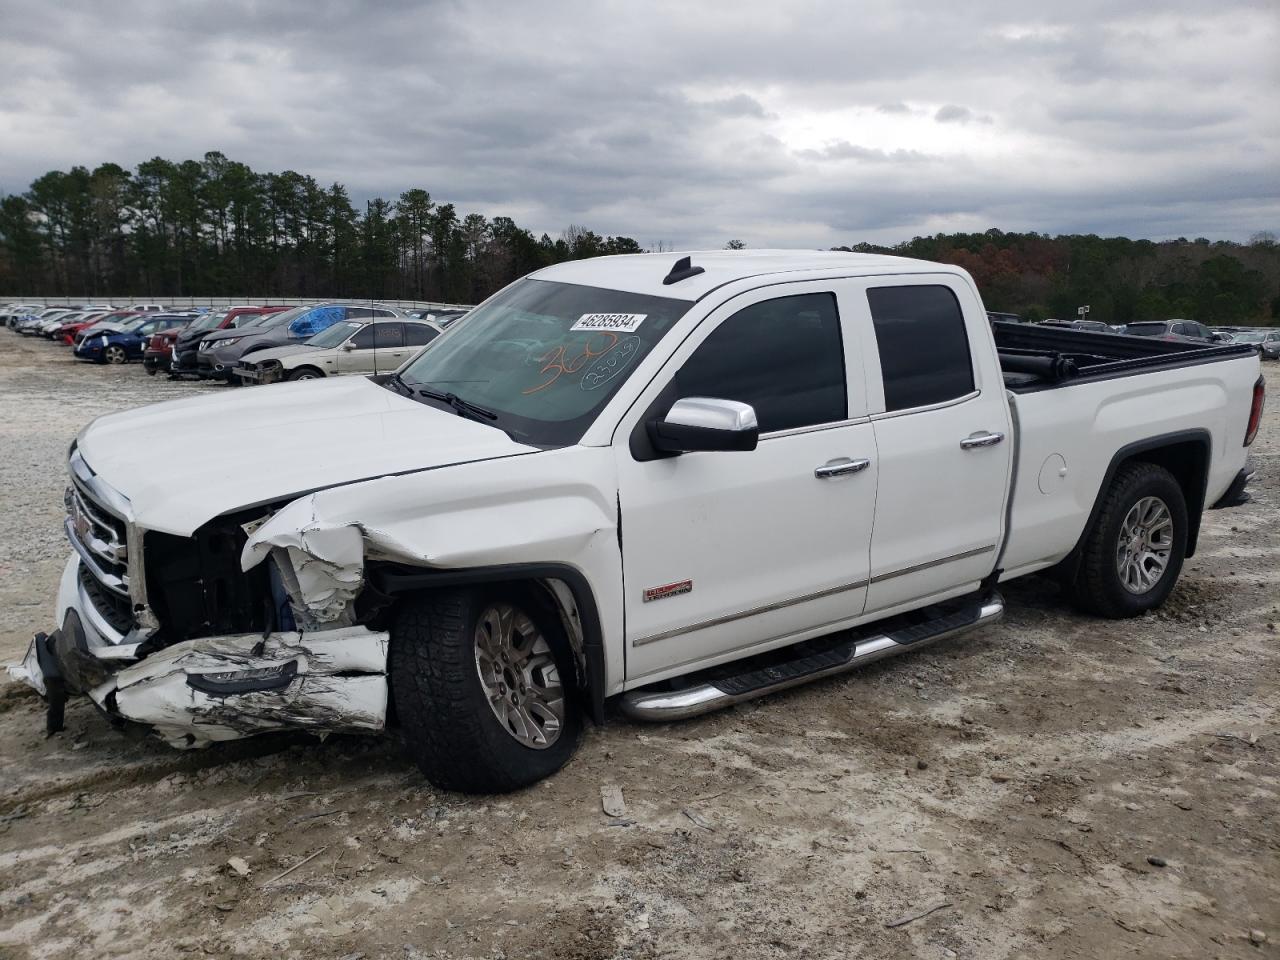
(388, 335)
(784, 357)
(1145, 329)
(364, 339)
(416, 334)
(924, 349)
(359, 313)
(382, 313)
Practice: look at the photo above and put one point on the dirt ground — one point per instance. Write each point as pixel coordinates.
(1019, 782)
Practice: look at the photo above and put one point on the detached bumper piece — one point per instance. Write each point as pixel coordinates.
(222, 688)
(811, 660)
(1236, 493)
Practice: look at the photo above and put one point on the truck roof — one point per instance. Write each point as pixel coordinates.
(644, 272)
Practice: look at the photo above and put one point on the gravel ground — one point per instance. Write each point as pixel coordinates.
(1054, 786)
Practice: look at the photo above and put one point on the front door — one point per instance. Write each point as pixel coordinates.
(723, 552)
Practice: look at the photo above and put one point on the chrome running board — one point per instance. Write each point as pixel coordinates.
(889, 638)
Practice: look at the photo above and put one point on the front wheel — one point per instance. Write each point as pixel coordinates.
(1133, 555)
(115, 354)
(482, 683)
(306, 373)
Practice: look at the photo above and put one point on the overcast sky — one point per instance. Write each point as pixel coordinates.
(779, 123)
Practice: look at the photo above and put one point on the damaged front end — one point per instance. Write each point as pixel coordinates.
(198, 648)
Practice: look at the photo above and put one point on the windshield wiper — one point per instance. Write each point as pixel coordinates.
(398, 380)
(464, 408)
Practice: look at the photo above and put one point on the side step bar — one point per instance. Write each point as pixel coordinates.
(891, 638)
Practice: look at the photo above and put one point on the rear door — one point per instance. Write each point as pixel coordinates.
(728, 551)
(943, 439)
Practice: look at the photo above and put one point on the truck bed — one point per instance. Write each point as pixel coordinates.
(1038, 358)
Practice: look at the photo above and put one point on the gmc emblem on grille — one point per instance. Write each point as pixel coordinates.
(669, 590)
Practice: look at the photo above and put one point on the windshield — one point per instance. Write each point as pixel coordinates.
(208, 321)
(133, 324)
(545, 357)
(1145, 329)
(1247, 337)
(269, 320)
(334, 335)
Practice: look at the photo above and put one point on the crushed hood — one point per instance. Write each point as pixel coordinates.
(183, 462)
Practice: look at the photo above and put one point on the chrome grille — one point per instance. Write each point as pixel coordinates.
(100, 538)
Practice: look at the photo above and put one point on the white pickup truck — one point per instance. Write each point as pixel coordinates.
(671, 487)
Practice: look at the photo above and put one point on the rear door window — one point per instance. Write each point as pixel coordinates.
(923, 345)
(784, 357)
(417, 334)
(388, 335)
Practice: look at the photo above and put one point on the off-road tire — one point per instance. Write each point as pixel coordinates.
(449, 729)
(306, 373)
(1097, 587)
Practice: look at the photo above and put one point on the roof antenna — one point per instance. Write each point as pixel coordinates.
(682, 270)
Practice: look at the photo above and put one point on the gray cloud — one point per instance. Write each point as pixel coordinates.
(780, 125)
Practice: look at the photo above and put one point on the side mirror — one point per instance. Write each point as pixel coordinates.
(348, 345)
(695, 424)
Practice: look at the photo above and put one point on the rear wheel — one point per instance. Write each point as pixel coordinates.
(306, 373)
(1133, 555)
(482, 686)
(115, 354)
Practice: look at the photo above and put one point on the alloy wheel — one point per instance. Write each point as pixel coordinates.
(518, 673)
(1144, 545)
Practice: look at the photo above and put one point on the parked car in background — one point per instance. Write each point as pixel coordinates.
(48, 324)
(1174, 330)
(1267, 342)
(148, 307)
(121, 346)
(29, 324)
(219, 352)
(116, 320)
(995, 316)
(349, 346)
(66, 331)
(183, 352)
(442, 317)
(14, 311)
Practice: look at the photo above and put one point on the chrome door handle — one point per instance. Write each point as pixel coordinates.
(982, 439)
(840, 467)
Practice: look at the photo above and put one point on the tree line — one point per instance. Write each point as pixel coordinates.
(1120, 280)
(215, 227)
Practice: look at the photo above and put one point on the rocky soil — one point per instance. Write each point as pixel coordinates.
(1053, 787)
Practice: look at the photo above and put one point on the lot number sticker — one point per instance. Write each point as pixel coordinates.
(610, 322)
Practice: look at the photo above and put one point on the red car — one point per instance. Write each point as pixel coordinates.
(67, 332)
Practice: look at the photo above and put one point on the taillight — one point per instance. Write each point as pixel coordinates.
(1255, 411)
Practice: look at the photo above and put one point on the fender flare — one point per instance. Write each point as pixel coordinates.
(1195, 492)
(393, 579)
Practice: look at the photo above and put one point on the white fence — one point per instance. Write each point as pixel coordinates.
(123, 303)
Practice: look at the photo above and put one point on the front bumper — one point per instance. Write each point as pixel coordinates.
(269, 371)
(90, 350)
(156, 360)
(197, 692)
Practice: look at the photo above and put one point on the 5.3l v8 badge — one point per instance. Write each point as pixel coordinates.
(670, 590)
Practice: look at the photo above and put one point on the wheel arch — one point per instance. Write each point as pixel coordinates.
(305, 366)
(564, 589)
(1185, 454)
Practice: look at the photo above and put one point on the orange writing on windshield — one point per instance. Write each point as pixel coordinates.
(556, 364)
